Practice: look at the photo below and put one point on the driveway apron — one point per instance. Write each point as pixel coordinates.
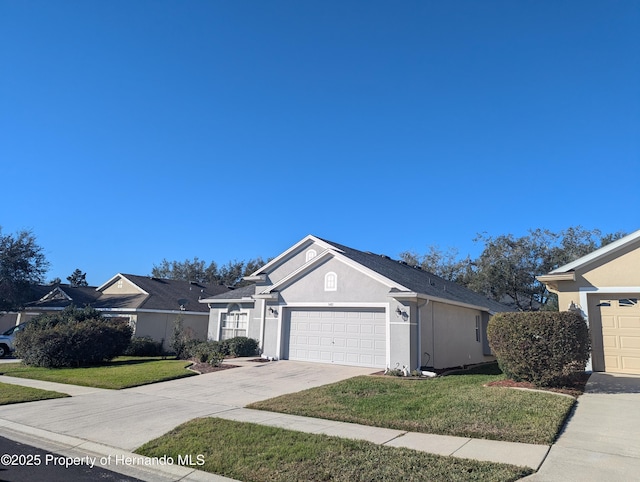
(128, 418)
(601, 440)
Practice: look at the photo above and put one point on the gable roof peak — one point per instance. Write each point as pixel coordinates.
(610, 248)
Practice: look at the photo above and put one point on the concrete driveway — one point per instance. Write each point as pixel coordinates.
(601, 440)
(128, 418)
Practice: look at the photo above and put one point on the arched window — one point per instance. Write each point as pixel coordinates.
(330, 281)
(310, 255)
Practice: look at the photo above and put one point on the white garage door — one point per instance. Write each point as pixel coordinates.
(621, 335)
(345, 337)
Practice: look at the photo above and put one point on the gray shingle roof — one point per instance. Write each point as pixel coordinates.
(236, 294)
(163, 295)
(80, 296)
(418, 280)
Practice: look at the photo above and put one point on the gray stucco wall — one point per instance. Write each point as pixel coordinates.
(291, 264)
(454, 336)
(270, 346)
(159, 326)
(352, 286)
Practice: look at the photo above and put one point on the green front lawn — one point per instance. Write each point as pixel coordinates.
(251, 452)
(123, 372)
(453, 405)
(10, 393)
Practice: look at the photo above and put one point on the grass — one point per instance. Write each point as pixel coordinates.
(123, 372)
(10, 393)
(453, 405)
(251, 452)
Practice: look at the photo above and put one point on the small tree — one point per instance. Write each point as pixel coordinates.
(181, 339)
(545, 348)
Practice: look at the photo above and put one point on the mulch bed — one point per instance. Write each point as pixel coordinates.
(203, 368)
(575, 390)
(207, 368)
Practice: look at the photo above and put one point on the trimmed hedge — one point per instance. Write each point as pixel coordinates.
(144, 346)
(72, 337)
(544, 347)
(240, 346)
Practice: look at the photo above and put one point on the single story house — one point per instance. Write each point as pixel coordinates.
(323, 302)
(151, 305)
(605, 287)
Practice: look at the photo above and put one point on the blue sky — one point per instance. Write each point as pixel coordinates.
(132, 131)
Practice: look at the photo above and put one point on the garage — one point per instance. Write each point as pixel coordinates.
(341, 336)
(620, 320)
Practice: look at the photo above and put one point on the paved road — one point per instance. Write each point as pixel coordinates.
(24, 463)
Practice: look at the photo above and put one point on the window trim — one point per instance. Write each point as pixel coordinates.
(331, 281)
(240, 322)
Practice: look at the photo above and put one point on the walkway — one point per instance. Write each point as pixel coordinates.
(601, 440)
(112, 422)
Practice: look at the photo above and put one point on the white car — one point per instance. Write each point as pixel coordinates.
(7, 345)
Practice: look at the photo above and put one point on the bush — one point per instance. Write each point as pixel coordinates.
(144, 346)
(72, 337)
(545, 348)
(207, 352)
(182, 340)
(240, 346)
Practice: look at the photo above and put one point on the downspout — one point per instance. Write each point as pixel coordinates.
(419, 344)
(263, 314)
(433, 339)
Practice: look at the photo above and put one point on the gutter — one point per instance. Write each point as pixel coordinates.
(412, 295)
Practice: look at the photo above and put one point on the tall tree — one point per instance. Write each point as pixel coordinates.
(506, 269)
(78, 278)
(22, 263)
(446, 264)
(195, 269)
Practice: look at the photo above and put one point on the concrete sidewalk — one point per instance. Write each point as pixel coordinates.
(106, 421)
(526, 455)
(601, 440)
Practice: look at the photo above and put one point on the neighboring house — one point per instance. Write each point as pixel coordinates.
(324, 302)
(151, 305)
(605, 287)
(9, 319)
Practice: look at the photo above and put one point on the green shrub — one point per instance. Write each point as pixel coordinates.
(207, 352)
(545, 348)
(72, 337)
(240, 346)
(144, 346)
(180, 339)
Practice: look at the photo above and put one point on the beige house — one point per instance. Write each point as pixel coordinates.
(605, 287)
(324, 302)
(151, 305)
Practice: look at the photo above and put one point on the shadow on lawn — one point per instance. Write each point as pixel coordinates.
(483, 369)
(120, 363)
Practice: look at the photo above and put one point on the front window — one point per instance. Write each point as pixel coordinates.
(233, 323)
